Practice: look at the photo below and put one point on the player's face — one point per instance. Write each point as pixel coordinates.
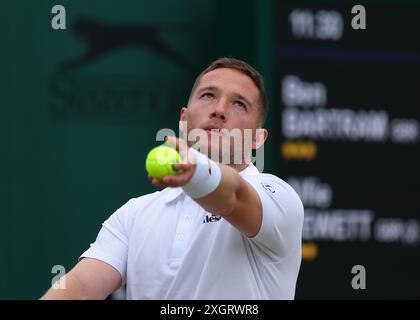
(224, 99)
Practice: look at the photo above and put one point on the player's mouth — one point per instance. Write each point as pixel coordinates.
(213, 130)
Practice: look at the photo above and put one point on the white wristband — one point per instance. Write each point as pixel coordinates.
(206, 177)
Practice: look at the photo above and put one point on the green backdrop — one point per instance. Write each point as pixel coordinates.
(74, 139)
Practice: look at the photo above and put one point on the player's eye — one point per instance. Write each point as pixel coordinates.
(207, 95)
(240, 104)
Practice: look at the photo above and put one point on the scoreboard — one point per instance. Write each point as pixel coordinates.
(347, 112)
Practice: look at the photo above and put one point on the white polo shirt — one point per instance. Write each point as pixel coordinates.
(166, 246)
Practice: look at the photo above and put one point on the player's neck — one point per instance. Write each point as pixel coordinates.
(238, 167)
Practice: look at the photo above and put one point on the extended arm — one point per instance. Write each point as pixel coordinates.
(234, 198)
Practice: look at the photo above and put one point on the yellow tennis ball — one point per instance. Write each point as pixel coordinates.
(159, 161)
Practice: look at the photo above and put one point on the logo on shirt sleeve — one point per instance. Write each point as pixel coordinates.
(268, 187)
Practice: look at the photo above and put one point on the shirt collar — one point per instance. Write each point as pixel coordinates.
(249, 170)
(173, 193)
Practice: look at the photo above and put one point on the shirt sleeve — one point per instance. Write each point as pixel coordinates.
(282, 216)
(111, 244)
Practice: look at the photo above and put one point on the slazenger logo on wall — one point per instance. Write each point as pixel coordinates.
(120, 95)
(103, 37)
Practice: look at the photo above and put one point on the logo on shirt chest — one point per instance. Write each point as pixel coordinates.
(210, 218)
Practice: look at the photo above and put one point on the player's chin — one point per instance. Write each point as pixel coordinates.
(219, 152)
(212, 149)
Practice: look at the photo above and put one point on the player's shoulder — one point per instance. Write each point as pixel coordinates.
(271, 181)
(278, 189)
(266, 180)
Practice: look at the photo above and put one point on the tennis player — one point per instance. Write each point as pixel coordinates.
(217, 230)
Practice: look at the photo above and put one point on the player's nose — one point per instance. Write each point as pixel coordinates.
(220, 110)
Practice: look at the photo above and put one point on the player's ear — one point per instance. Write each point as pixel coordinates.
(182, 114)
(183, 122)
(261, 134)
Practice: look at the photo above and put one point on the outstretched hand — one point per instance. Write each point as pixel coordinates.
(186, 167)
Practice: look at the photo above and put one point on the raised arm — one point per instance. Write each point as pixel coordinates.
(234, 198)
